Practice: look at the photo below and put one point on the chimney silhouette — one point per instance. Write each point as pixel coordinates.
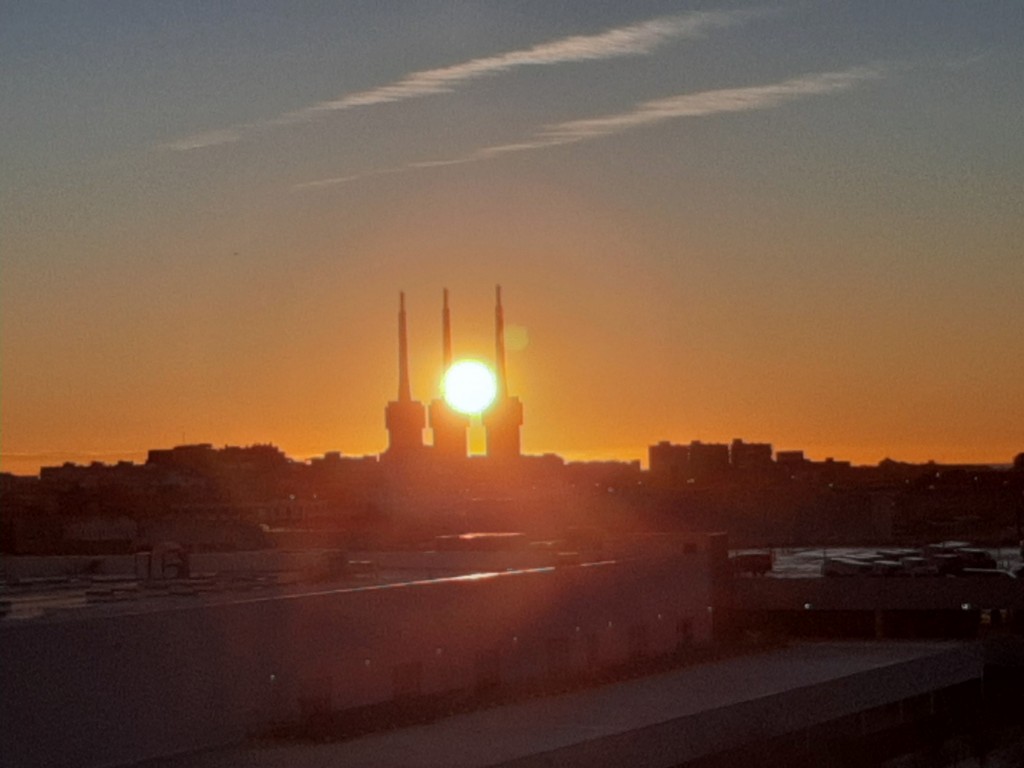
(505, 417)
(405, 418)
(446, 333)
(448, 425)
(499, 344)
(404, 393)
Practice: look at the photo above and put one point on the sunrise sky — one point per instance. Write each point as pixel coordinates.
(792, 222)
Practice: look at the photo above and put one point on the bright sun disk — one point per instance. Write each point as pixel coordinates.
(469, 386)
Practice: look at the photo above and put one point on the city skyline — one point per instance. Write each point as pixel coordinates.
(441, 433)
(712, 220)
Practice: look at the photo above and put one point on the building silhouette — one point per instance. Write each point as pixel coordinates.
(405, 418)
(448, 425)
(750, 456)
(504, 418)
(668, 460)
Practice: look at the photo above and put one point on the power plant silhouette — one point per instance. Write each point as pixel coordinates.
(406, 418)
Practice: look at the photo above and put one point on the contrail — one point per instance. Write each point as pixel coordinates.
(703, 104)
(634, 40)
(637, 39)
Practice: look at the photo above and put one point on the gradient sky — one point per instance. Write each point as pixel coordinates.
(795, 222)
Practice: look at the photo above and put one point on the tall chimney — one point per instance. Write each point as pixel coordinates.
(449, 426)
(404, 417)
(446, 331)
(505, 417)
(499, 343)
(404, 391)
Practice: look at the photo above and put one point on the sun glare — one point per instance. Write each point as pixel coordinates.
(469, 386)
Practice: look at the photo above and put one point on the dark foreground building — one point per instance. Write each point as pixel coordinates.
(180, 667)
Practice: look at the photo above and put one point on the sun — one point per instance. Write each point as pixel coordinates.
(469, 386)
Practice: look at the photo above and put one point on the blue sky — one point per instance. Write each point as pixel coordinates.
(794, 211)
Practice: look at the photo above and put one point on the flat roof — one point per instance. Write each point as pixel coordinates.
(61, 602)
(670, 717)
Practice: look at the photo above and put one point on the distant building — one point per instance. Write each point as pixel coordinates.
(405, 418)
(668, 460)
(696, 461)
(448, 426)
(708, 459)
(204, 457)
(790, 459)
(196, 456)
(505, 417)
(750, 456)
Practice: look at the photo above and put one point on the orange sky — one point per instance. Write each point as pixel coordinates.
(715, 227)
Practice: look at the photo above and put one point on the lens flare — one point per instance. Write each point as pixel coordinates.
(469, 386)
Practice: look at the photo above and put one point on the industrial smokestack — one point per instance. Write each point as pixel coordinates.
(499, 343)
(404, 417)
(446, 331)
(449, 426)
(404, 391)
(505, 417)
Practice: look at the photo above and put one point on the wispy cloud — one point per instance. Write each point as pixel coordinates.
(703, 104)
(208, 139)
(637, 39)
(633, 40)
(352, 177)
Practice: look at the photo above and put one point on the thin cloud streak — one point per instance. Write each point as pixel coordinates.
(703, 104)
(634, 40)
(638, 39)
(207, 139)
(345, 179)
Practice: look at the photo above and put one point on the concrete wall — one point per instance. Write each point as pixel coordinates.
(108, 690)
